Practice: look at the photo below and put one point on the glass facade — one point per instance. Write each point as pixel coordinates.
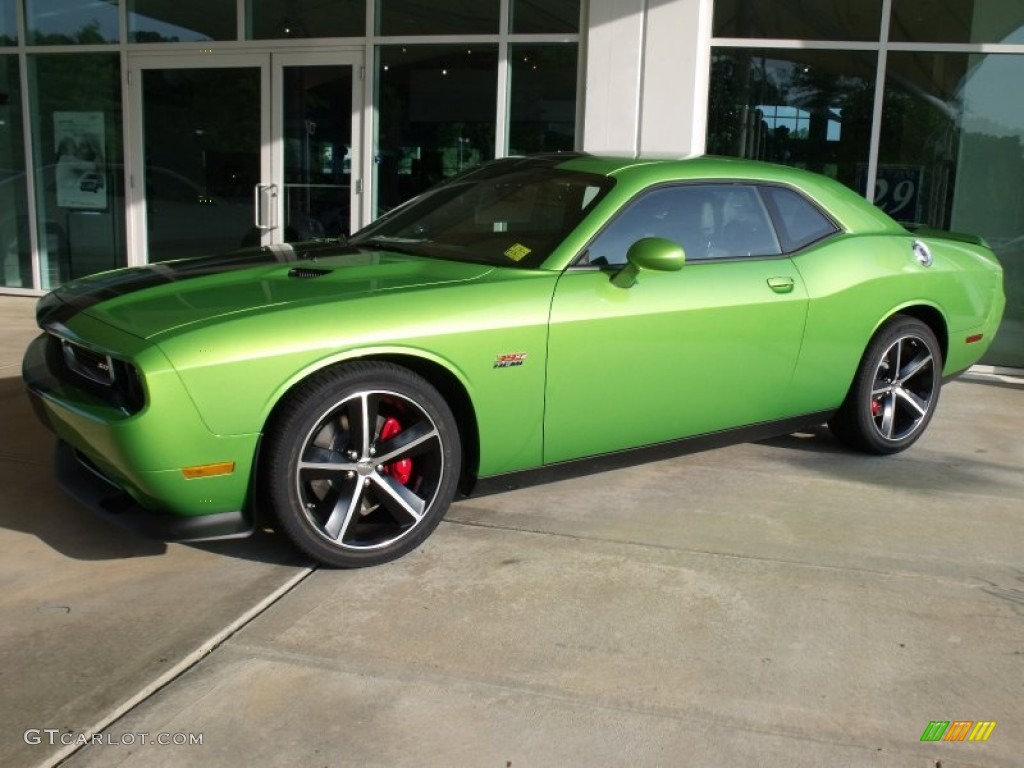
(159, 21)
(542, 104)
(439, 106)
(283, 19)
(66, 22)
(317, 152)
(436, 116)
(805, 91)
(806, 108)
(8, 23)
(545, 16)
(78, 163)
(15, 244)
(399, 18)
(799, 19)
(201, 130)
(957, 21)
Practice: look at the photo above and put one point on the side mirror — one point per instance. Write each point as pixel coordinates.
(654, 253)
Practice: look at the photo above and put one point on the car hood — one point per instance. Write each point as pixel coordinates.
(151, 300)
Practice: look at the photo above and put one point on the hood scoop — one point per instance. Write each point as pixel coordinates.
(307, 273)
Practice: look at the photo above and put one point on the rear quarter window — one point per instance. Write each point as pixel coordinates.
(799, 222)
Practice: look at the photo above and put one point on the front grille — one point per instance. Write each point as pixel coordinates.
(106, 377)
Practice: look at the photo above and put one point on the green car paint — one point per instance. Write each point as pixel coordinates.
(504, 311)
(670, 356)
(544, 358)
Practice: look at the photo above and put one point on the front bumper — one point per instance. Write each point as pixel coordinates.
(83, 482)
(128, 467)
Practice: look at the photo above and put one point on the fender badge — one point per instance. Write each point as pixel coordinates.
(923, 254)
(510, 360)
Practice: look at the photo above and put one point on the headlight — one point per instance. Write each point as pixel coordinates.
(110, 378)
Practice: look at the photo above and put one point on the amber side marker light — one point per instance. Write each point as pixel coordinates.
(975, 338)
(208, 470)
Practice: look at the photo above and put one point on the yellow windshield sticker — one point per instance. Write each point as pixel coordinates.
(517, 252)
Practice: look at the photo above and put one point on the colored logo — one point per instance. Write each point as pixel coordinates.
(958, 730)
(510, 361)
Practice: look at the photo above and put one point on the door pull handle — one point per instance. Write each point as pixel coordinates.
(781, 284)
(265, 204)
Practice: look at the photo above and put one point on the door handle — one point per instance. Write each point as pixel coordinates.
(781, 284)
(265, 205)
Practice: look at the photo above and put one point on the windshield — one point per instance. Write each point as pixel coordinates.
(508, 213)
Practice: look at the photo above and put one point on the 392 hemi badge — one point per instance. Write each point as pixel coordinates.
(510, 360)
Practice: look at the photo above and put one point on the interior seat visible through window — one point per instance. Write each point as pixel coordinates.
(709, 221)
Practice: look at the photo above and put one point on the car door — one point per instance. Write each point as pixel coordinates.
(706, 348)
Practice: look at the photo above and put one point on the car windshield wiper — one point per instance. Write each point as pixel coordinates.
(384, 239)
(384, 242)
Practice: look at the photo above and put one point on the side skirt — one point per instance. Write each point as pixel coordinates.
(602, 463)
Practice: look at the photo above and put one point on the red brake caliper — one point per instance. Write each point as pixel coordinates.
(401, 470)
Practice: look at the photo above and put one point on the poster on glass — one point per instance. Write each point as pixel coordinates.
(81, 176)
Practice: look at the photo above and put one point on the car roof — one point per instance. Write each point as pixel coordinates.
(850, 209)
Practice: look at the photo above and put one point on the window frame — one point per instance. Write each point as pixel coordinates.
(580, 261)
(779, 224)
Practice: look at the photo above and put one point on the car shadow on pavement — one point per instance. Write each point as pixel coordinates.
(263, 546)
(931, 465)
(814, 439)
(32, 501)
(34, 504)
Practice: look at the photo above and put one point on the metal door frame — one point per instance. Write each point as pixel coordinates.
(135, 192)
(270, 65)
(320, 58)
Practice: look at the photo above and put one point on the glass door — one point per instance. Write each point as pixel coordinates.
(241, 150)
(317, 103)
(200, 166)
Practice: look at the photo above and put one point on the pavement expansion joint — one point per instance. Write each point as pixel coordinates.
(187, 663)
(909, 575)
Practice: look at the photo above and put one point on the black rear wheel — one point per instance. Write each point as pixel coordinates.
(895, 391)
(361, 463)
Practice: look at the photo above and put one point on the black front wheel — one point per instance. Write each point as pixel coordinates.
(895, 391)
(361, 463)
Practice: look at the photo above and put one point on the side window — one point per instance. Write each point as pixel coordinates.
(710, 221)
(745, 228)
(800, 222)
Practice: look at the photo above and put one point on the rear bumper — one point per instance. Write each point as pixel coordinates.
(968, 346)
(83, 482)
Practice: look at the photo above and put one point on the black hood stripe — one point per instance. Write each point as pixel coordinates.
(61, 305)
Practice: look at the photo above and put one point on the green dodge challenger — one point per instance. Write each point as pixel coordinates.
(533, 317)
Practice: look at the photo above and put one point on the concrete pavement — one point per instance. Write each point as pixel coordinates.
(93, 617)
(785, 603)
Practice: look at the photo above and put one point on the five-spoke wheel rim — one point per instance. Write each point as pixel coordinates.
(903, 389)
(369, 470)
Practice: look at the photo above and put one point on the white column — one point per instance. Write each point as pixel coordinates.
(647, 73)
(614, 35)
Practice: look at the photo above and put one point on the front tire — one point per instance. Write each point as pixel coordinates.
(894, 394)
(361, 464)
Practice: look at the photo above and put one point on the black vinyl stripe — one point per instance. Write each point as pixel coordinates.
(64, 303)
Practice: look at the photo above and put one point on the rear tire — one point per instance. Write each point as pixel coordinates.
(895, 391)
(361, 464)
